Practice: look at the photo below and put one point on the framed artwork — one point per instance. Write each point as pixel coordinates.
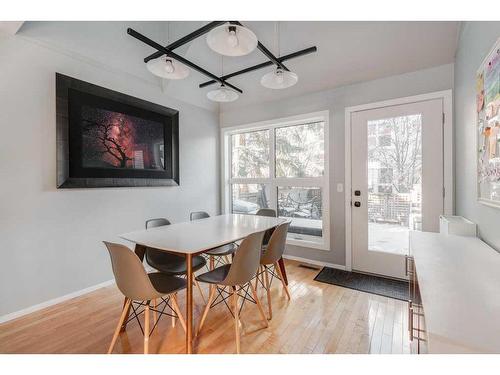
(488, 128)
(109, 139)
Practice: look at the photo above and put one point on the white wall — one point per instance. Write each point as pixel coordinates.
(476, 40)
(50, 240)
(335, 100)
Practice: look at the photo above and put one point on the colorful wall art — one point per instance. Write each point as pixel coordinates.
(488, 128)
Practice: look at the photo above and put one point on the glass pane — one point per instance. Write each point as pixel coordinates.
(394, 182)
(300, 150)
(250, 154)
(304, 206)
(248, 198)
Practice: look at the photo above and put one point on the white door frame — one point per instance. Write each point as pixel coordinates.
(446, 96)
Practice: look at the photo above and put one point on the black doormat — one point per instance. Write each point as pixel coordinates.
(397, 289)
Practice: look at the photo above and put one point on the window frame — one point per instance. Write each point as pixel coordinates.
(322, 181)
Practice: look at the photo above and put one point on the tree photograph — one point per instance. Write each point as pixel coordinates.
(116, 140)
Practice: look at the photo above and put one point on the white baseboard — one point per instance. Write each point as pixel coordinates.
(55, 301)
(314, 262)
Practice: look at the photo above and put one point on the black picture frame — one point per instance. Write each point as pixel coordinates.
(71, 95)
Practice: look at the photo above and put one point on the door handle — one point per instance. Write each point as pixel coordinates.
(357, 204)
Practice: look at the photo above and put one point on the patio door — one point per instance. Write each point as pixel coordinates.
(397, 182)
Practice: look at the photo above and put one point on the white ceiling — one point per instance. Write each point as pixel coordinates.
(348, 52)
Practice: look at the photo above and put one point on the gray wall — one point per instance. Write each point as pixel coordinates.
(50, 240)
(476, 39)
(335, 100)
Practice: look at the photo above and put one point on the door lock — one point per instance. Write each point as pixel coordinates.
(357, 204)
(357, 193)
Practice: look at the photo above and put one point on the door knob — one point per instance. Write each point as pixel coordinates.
(357, 204)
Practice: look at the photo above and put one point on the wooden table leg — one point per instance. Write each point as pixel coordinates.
(189, 304)
(281, 263)
(139, 251)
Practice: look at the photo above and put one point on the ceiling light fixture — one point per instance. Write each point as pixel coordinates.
(167, 67)
(279, 78)
(232, 40)
(170, 65)
(222, 94)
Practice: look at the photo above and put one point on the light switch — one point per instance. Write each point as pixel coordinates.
(340, 188)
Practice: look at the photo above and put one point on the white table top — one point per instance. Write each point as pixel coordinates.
(459, 280)
(196, 236)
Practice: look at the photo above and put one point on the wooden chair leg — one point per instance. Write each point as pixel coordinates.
(199, 289)
(146, 328)
(277, 268)
(173, 313)
(212, 263)
(154, 311)
(259, 272)
(207, 307)
(177, 310)
(268, 290)
(259, 305)
(120, 323)
(236, 319)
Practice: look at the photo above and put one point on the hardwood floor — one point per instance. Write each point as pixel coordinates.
(320, 318)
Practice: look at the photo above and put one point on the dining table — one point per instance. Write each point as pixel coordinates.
(192, 238)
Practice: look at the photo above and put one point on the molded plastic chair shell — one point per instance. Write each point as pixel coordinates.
(246, 261)
(198, 215)
(244, 266)
(154, 223)
(217, 251)
(130, 275)
(165, 262)
(276, 246)
(270, 213)
(266, 212)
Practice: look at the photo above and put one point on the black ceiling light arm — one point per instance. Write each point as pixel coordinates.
(265, 51)
(186, 39)
(181, 59)
(263, 65)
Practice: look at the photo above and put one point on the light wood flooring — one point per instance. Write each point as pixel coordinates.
(320, 318)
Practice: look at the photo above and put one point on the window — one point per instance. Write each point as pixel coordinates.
(300, 150)
(283, 165)
(250, 154)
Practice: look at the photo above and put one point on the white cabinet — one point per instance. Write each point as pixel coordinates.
(455, 294)
(457, 225)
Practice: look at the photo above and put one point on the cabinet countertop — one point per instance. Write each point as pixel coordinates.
(459, 281)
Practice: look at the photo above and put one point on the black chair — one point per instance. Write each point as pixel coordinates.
(171, 264)
(216, 254)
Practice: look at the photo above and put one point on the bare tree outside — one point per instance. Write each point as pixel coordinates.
(401, 152)
(394, 181)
